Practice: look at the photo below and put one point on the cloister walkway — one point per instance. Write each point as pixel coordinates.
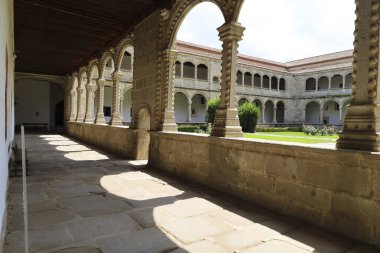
(82, 200)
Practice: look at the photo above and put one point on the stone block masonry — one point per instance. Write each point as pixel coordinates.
(335, 189)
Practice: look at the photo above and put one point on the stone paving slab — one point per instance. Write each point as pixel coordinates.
(82, 200)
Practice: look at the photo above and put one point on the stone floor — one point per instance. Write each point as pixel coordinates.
(82, 200)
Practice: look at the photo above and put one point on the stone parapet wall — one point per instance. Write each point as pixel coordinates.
(119, 140)
(335, 189)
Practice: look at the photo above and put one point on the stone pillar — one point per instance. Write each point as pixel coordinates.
(100, 120)
(189, 103)
(270, 83)
(242, 80)
(316, 84)
(122, 91)
(81, 104)
(90, 92)
(344, 82)
(116, 118)
(73, 106)
(181, 70)
(361, 129)
(261, 81)
(329, 87)
(321, 115)
(226, 120)
(263, 117)
(340, 113)
(168, 121)
(274, 114)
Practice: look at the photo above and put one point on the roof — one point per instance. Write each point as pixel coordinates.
(316, 62)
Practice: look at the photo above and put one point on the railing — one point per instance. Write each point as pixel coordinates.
(327, 92)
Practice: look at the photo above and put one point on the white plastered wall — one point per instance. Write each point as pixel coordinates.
(6, 102)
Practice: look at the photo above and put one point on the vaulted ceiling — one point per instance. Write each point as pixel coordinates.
(56, 37)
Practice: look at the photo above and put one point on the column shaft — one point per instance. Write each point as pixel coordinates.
(226, 120)
(116, 119)
(100, 120)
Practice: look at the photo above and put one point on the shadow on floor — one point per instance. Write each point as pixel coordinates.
(85, 201)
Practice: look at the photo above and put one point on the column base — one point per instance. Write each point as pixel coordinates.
(80, 119)
(168, 124)
(100, 120)
(89, 119)
(227, 124)
(361, 130)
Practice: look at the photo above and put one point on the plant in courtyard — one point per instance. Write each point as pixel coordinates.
(323, 131)
(212, 106)
(248, 116)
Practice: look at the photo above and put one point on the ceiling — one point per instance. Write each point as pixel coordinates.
(56, 37)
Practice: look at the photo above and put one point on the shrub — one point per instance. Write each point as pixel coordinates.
(212, 106)
(188, 128)
(279, 129)
(319, 130)
(248, 116)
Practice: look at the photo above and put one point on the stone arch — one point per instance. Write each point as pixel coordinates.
(248, 78)
(198, 107)
(121, 48)
(282, 84)
(257, 80)
(82, 76)
(107, 55)
(202, 72)
(269, 111)
(179, 13)
(259, 104)
(310, 84)
(243, 100)
(331, 112)
(280, 112)
(181, 106)
(178, 67)
(312, 112)
(189, 69)
(323, 83)
(239, 77)
(337, 81)
(348, 80)
(266, 81)
(274, 83)
(93, 69)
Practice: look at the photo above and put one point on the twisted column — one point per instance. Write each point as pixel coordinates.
(226, 122)
(90, 92)
(168, 120)
(100, 120)
(81, 104)
(361, 128)
(116, 118)
(73, 105)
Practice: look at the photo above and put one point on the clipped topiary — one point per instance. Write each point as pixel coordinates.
(248, 115)
(212, 106)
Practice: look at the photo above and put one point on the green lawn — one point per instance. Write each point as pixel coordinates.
(292, 137)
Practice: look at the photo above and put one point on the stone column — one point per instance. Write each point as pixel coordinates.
(329, 78)
(316, 84)
(261, 81)
(116, 118)
(73, 107)
(90, 92)
(344, 82)
(168, 120)
(321, 114)
(189, 103)
(340, 113)
(270, 83)
(81, 104)
(274, 115)
(122, 90)
(100, 120)
(226, 120)
(361, 129)
(263, 115)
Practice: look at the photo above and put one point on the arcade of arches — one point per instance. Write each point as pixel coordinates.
(339, 192)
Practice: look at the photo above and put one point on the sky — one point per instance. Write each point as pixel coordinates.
(279, 30)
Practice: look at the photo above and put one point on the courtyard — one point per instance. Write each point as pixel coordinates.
(297, 137)
(85, 200)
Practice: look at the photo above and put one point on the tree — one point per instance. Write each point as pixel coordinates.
(248, 115)
(212, 106)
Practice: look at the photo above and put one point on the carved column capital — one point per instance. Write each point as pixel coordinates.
(231, 31)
